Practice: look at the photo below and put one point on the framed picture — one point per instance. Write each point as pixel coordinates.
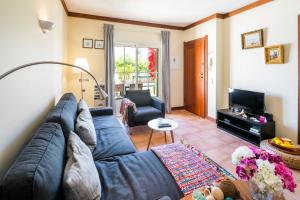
(274, 54)
(253, 39)
(99, 44)
(87, 43)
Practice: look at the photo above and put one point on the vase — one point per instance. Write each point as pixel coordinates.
(257, 194)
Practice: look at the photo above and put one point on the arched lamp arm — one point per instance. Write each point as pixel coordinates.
(102, 93)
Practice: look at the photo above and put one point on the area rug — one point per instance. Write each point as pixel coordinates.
(190, 167)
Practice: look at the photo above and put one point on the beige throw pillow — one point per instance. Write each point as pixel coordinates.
(81, 179)
(85, 129)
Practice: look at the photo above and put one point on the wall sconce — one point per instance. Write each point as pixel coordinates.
(46, 26)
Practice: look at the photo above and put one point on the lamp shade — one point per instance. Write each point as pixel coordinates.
(83, 63)
(46, 26)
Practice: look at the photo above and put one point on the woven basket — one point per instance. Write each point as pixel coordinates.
(292, 161)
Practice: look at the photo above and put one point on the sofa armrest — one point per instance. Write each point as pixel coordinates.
(158, 104)
(101, 111)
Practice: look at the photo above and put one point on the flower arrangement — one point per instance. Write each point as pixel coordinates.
(264, 169)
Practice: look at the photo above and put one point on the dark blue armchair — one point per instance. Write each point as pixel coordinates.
(148, 107)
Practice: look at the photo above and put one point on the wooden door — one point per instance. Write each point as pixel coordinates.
(298, 79)
(195, 76)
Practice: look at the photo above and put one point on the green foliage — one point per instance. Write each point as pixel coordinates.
(126, 68)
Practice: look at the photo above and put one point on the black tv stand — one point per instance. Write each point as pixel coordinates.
(245, 128)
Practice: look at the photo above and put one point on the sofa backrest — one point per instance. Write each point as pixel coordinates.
(139, 97)
(38, 170)
(64, 113)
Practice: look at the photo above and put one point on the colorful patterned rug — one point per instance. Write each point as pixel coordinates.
(190, 168)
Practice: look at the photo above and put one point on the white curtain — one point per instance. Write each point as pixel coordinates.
(166, 69)
(109, 56)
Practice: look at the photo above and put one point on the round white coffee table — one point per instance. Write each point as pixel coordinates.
(153, 124)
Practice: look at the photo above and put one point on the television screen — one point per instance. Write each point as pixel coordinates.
(251, 102)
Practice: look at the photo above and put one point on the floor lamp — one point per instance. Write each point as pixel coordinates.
(84, 64)
(103, 94)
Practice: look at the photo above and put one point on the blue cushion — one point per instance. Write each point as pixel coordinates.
(112, 138)
(136, 176)
(139, 97)
(64, 113)
(38, 170)
(147, 113)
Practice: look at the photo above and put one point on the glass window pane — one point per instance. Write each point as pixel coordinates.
(119, 59)
(147, 69)
(130, 75)
(143, 61)
(130, 59)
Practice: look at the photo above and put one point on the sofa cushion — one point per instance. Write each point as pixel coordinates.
(136, 176)
(139, 97)
(112, 138)
(147, 113)
(97, 111)
(64, 113)
(82, 105)
(85, 129)
(106, 122)
(81, 179)
(38, 170)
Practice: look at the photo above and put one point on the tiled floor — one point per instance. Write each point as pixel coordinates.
(203, 134)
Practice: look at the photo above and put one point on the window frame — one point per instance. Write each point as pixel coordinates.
(136, 47)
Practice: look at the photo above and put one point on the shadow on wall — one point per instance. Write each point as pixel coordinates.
(287, 50)
(265, 37)
(287, 47)
(226, 62)
(274, 105)
(17, 143)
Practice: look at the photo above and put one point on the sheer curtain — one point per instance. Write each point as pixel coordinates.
(165, 35)
(109, 57)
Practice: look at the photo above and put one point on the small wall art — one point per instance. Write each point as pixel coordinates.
(87, 43)
(253, 39)
(274, 54)
(99, 44)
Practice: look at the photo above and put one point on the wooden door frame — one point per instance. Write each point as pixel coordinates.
(298, 79)
(205, 71)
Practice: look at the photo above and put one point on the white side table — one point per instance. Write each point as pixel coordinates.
(153, 124)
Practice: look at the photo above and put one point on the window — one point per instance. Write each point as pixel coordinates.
(136, 69)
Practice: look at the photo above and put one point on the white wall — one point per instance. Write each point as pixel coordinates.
(248, 69)
(27, 95)
(210, 29)
(79, 28)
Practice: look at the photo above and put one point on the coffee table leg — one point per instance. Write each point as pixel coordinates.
(172, 136)
(165, 137)
(149, 141)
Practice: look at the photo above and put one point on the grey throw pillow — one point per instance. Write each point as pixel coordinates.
(85, 129)
(81, 179)
(82, 105)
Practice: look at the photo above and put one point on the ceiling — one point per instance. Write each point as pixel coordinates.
(170, 12)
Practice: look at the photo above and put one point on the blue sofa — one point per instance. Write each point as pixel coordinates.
(124, 173)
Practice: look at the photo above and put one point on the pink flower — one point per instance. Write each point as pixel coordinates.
(246, 168)
(273, 158)
(257, 151)
(286, 177)
(264, 155)
(242, 173)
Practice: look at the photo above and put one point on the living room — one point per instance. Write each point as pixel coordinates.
(126, 46)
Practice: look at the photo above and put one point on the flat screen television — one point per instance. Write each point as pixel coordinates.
(251, 102)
